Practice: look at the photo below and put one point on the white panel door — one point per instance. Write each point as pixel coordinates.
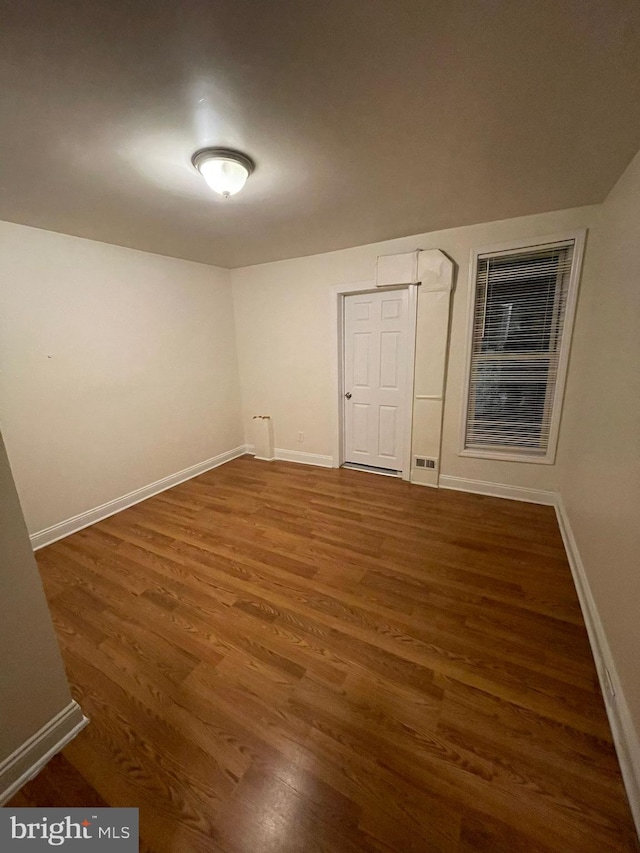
(375, 377)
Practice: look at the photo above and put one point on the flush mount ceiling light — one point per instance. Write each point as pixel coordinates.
(225, 171)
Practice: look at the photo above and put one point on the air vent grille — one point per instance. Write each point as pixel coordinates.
(424, 462)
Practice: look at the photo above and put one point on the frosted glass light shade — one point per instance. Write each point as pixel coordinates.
(225, 171)
(224, 176)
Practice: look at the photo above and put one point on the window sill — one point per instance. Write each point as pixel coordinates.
(507, 456)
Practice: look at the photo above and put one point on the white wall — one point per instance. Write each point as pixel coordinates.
(33, 684)
(283, 316)
(599, 460)
(118, 368)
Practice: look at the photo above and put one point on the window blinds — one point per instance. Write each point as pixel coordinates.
(519, 311)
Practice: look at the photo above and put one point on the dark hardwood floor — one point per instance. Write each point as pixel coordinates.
(282, 658)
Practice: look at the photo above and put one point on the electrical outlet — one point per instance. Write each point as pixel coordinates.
(300, 436)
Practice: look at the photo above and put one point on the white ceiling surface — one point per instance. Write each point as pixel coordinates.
(367, 119)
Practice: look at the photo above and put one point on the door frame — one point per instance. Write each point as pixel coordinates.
(337, 347)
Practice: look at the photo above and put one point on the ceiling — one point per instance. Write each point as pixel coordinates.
(367, 119)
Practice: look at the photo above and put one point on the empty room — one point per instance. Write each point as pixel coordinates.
(320, 426)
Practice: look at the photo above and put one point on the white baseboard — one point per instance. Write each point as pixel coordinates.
(497, 490)
(304, 458)
(298, 456)
(424, 477)
(625, 737)
(29, 759)
(91, 516)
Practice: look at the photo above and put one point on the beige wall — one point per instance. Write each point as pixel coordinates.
(33, 684)
(283, 329)
(118, 368)
(599, 457)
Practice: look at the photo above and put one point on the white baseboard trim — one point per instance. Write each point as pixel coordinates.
(29, 759)
(625, 737)
(282, 455)
(91, 516)
(497, 490)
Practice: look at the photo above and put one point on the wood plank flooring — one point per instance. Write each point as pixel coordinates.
(283, 658)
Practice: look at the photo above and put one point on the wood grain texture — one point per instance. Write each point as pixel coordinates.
(285, 658)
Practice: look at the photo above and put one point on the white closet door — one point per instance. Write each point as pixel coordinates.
(375, 377)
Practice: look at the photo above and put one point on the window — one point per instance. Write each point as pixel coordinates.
(523, 306)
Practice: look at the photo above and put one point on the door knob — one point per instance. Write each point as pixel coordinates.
(348, 395)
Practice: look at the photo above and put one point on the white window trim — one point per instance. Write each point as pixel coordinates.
(579, 238)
